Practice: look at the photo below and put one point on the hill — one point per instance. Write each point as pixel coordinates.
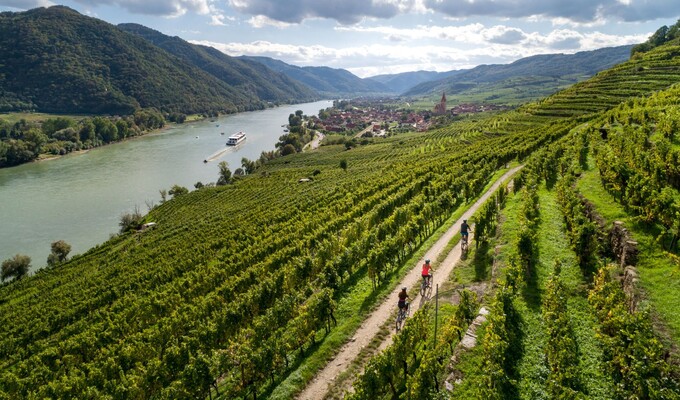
(247, 289)
(248, 76)
(400, 83)
(57, 60)
(545, 73)
(327, 81)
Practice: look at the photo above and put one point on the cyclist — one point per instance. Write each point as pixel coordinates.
(426, 274)
(464, 228)
(403, 304)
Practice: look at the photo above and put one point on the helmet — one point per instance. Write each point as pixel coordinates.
(427, 261)
(404, 288)
(465, 220)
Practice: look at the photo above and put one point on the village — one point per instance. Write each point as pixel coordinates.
(366, 117)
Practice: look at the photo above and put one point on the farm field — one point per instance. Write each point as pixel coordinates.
(239, 286)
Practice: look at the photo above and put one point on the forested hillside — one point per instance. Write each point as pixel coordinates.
(244, 290)
(248, 76)
(400, 83)
(57, 60)
(327, 81)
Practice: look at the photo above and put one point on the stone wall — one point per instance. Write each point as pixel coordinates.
(625, 251)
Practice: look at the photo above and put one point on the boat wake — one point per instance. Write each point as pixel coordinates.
(218, 154)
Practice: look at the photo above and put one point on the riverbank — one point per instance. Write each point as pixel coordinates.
(80, 199)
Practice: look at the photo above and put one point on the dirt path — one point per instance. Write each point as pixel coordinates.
(318, 387)
(314, 144)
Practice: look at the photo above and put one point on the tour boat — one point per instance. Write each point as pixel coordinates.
(236, 138)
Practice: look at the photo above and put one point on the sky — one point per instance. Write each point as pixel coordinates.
(373, 37)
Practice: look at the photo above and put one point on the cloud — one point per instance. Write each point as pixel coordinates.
(261, 21)
(574, 10)
(465, 33)
(504, 35)
(217, 20)
(345, 11)
(25, 4)
(165, 8)
(439, 48)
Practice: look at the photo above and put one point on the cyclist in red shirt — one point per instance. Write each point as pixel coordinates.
(427, 275)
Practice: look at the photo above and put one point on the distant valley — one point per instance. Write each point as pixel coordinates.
(60, 61)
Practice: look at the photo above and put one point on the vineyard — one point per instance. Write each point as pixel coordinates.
(239, 287)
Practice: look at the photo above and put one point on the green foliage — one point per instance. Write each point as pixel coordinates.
(647, 183)
(500, 349)
(59, 254)
(24, 141)
(130, 221)
(177, 190)
(562, 351)
(662, 35)
(224, 177)
(16, 267)
(634, 355)
(244, 77)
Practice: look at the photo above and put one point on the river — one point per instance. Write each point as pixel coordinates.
(79, 198)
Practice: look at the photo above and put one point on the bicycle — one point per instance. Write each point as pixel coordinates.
(464, 244)
(426, 285)
(402, 315)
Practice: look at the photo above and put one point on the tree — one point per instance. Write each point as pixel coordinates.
(60, 250)
(248, 165)
(288, 149)
(177, 190)
(16, 267)
(130, 221)
(225, 174)
(343, 164)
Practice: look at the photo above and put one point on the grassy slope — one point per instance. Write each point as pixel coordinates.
(659, 276)
(532, 369)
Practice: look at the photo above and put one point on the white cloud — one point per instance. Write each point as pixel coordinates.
(453, 48)
(217, 20)
(261, 21)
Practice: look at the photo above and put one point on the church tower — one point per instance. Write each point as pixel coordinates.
(441, 107)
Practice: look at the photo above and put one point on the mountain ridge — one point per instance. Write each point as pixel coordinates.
(567, 67)
(326, 80)
(249, 76)
(60, 61)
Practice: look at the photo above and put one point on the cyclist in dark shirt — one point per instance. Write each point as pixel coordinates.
(464, 228)
(402, 298)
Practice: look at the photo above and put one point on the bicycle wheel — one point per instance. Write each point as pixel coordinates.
(423, 287)
(399, 320)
